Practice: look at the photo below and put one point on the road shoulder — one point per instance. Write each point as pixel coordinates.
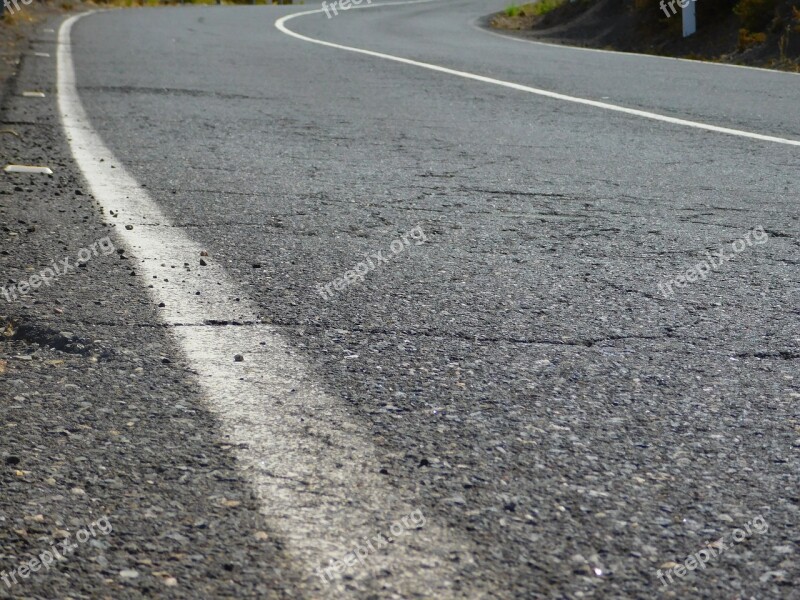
(102, 422)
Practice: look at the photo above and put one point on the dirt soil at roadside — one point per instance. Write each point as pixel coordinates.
(16, 29)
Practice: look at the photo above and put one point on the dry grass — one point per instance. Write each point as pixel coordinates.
(533, 9)
(16, 18)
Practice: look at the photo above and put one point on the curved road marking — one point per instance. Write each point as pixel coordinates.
(281, 25)
(703, 63)
(313, 466)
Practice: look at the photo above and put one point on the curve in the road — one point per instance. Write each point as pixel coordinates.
(280, 24)
(513, 38)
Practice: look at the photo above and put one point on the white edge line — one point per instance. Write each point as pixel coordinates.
(514, 38)
(280, 24)
(315, 469)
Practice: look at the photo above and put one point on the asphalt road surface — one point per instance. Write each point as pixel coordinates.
(386, 305)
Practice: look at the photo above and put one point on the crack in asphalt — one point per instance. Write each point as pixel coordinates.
(41, 336)
(158, 91)
(211, 191)
(588, 343)
(775, 233)
(629, 290)
(781, 354)
(516, 193)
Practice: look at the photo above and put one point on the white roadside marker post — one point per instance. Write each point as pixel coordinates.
(689, 19)
(27, 169)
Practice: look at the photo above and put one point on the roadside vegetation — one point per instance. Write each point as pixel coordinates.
(758, 32)
(533, 9)
(755, 19)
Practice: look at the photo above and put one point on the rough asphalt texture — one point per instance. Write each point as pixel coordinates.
(520, 369)
(98, 424)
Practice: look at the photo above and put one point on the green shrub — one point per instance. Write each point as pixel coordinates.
(534, 9)
(542, 7)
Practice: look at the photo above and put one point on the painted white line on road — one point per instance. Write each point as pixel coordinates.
(281, 25)
(510, 37)
(313, 465)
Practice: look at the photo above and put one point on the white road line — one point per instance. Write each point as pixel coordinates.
(316, 472)
(281, 25)
(697, 63)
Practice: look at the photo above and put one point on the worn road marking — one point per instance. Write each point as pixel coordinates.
(313, 467)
